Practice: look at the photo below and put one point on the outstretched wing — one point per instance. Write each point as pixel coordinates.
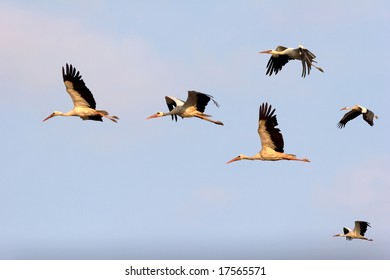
(276, 62)
(346, 231)
(369, 117)
(307, 58)
(347, 117)
(75, 86)
(173, 102)
(199, 100)
(361, 227)
(270, 136)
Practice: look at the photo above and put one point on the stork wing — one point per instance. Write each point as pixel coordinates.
(173, 102)
(75, 86)
(270, 136)
(346, 231)
(307, 58)
(361, 227)
(369, 117)
(347, 117)
(199, 100)
(276, 62)
(280, 48)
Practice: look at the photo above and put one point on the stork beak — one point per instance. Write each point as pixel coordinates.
(345, 108)
(267, 51)
(336, 235)
(49, 117)
(233, 160)
(152, 117)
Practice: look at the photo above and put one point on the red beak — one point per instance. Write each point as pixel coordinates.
(267, 51)
(234, 159)
(49, 117)
(152, 117)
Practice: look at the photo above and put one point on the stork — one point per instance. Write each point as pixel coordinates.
(281, 55)
(355, 111)
(194, 106)
(83, 101)
(271, 139)
(357, 233)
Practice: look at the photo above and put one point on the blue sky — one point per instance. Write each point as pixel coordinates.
(156, 189)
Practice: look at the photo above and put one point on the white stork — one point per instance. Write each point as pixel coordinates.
(194, 106)
(83, 101)
(357, 233)
(355, 111)
(271, 139)
(281, 55)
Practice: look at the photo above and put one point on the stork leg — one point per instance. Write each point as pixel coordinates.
(105, 115)
(293, 157)
(318, 68)
(302, 159)
(209, 120)
(365, 238)
(112, 118)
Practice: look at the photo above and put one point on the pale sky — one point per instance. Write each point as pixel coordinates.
(156, 189)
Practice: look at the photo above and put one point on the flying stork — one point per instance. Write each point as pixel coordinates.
(83, 101)
(194, 106)
(271, 139)
(355, 111)
(357, 233)
(281, 55)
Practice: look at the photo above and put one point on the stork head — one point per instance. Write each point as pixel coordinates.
(157, 115)
(55, 113)
(237, 158)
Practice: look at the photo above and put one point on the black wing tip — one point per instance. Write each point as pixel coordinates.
(364, 223)
(275, 64)
(208, 97)
(69, 67)
(340, 125)
(266, 111)
(200, 93)
(271, 68)
(70, 72)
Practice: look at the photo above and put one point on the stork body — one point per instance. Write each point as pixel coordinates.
(281, 55)
(194, 106)
(357, 233)
(355, 111)
(83, 101)
(271, 139)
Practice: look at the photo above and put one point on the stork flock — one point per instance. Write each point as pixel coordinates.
(272, 143)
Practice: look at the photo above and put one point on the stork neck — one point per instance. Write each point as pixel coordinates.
(167, 113)
(254, 157)
(68, 114)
